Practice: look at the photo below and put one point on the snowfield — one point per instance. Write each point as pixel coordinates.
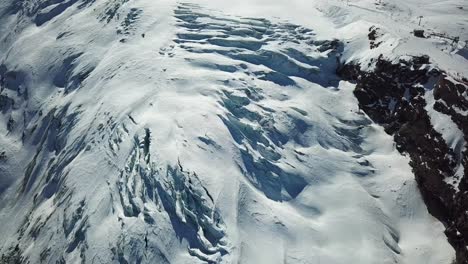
(156, 131)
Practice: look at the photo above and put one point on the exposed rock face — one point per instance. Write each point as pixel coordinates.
(374, 34)
(393, 96)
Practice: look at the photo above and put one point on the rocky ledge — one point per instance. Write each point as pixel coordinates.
(393, 95)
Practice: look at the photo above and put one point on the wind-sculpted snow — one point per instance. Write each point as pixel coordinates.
(69, 76)
(43, 11)
(111, 10)
(150, 132)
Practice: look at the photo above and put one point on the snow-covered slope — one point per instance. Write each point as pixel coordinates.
(148, 131)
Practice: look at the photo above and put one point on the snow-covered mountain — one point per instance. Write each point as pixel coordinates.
(157, 131)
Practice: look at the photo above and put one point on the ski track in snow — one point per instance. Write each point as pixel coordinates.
(162, 132)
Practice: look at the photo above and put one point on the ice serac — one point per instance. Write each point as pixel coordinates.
(142, 131)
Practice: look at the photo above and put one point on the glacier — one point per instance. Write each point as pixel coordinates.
(138, 131)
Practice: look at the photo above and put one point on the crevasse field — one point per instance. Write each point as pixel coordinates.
(156, 131)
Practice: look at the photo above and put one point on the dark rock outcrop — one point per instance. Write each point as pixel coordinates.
(374, 34)
(392, 95)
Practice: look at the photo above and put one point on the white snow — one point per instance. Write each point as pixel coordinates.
(450, 132)
(295, 171)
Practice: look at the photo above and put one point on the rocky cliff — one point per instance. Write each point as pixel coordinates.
(396, 95)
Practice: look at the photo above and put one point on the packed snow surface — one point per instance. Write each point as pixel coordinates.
(208, 132)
